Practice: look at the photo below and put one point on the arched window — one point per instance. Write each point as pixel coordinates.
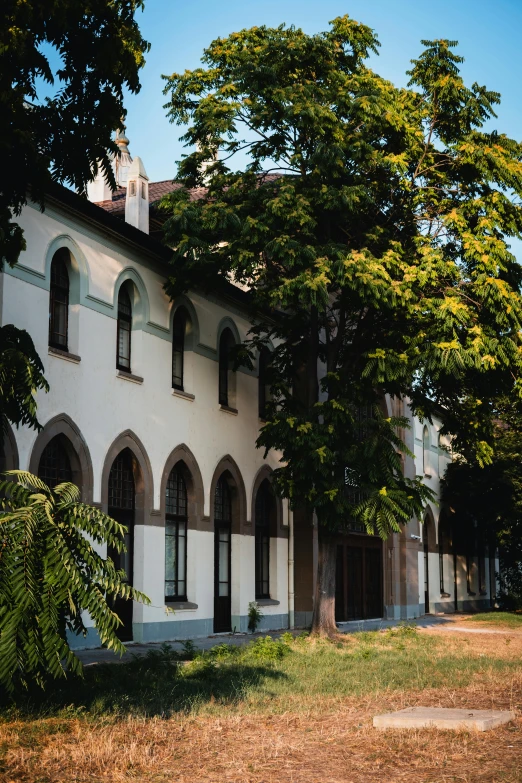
(264, 511)
(176, 537)
(263, 387)
(425, 451)
(59, 301)
(123, 348)
(179, 327)
(55, 466)
(226, 343)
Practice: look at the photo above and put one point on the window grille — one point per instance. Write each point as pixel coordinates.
(121, 482)
(54, 466)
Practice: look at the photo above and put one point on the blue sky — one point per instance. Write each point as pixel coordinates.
(489, 35)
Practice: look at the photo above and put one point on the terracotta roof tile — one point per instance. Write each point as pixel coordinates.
(116, 206)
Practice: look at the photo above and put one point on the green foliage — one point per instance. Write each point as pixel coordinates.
(267, 649)
(21, 375)
(371, 226)
(67, 137)
(254, 616)
(50, 573)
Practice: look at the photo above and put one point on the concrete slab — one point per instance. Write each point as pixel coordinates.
(442, 718)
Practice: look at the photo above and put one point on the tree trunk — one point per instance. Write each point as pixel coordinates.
(323, 622)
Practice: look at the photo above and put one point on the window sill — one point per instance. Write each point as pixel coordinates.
(179, 606)
(61, 354)
(483, 592)
(267, 602)
(471, 593)
(228, 409)
(128, 376)
(445, 595)
(183, 394)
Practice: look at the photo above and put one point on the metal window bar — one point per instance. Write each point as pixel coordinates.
(121, 482)
(223, 502)
(54, 466)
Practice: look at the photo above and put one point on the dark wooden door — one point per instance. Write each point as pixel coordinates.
(222, 581)
(121, 508)
(358, 579)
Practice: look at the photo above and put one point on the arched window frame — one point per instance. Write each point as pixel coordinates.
(59, 301)
(179, 327)
(176, 524)
(124, 330)
(226, 341)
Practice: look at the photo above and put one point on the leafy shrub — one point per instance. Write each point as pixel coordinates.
(50, 574)
(268, 649)
(254, 616)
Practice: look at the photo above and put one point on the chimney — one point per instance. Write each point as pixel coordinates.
(137, 197)
(99, 189)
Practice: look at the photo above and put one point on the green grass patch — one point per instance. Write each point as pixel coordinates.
(266, 675)
(506, 619)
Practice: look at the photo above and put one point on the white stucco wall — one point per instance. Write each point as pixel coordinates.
(103, 405)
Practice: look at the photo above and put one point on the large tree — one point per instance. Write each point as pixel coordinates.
(99, 50)
(370, 226)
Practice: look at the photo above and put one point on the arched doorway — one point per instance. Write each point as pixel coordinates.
(121, 507)
(228, 514)
(222, 556)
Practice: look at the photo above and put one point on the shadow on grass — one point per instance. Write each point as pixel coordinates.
(158, 684)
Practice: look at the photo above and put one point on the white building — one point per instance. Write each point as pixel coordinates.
(147, 417)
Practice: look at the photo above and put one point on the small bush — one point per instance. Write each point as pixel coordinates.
(254, 616)
(268, 649)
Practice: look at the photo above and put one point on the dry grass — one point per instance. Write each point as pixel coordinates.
(270, 738)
